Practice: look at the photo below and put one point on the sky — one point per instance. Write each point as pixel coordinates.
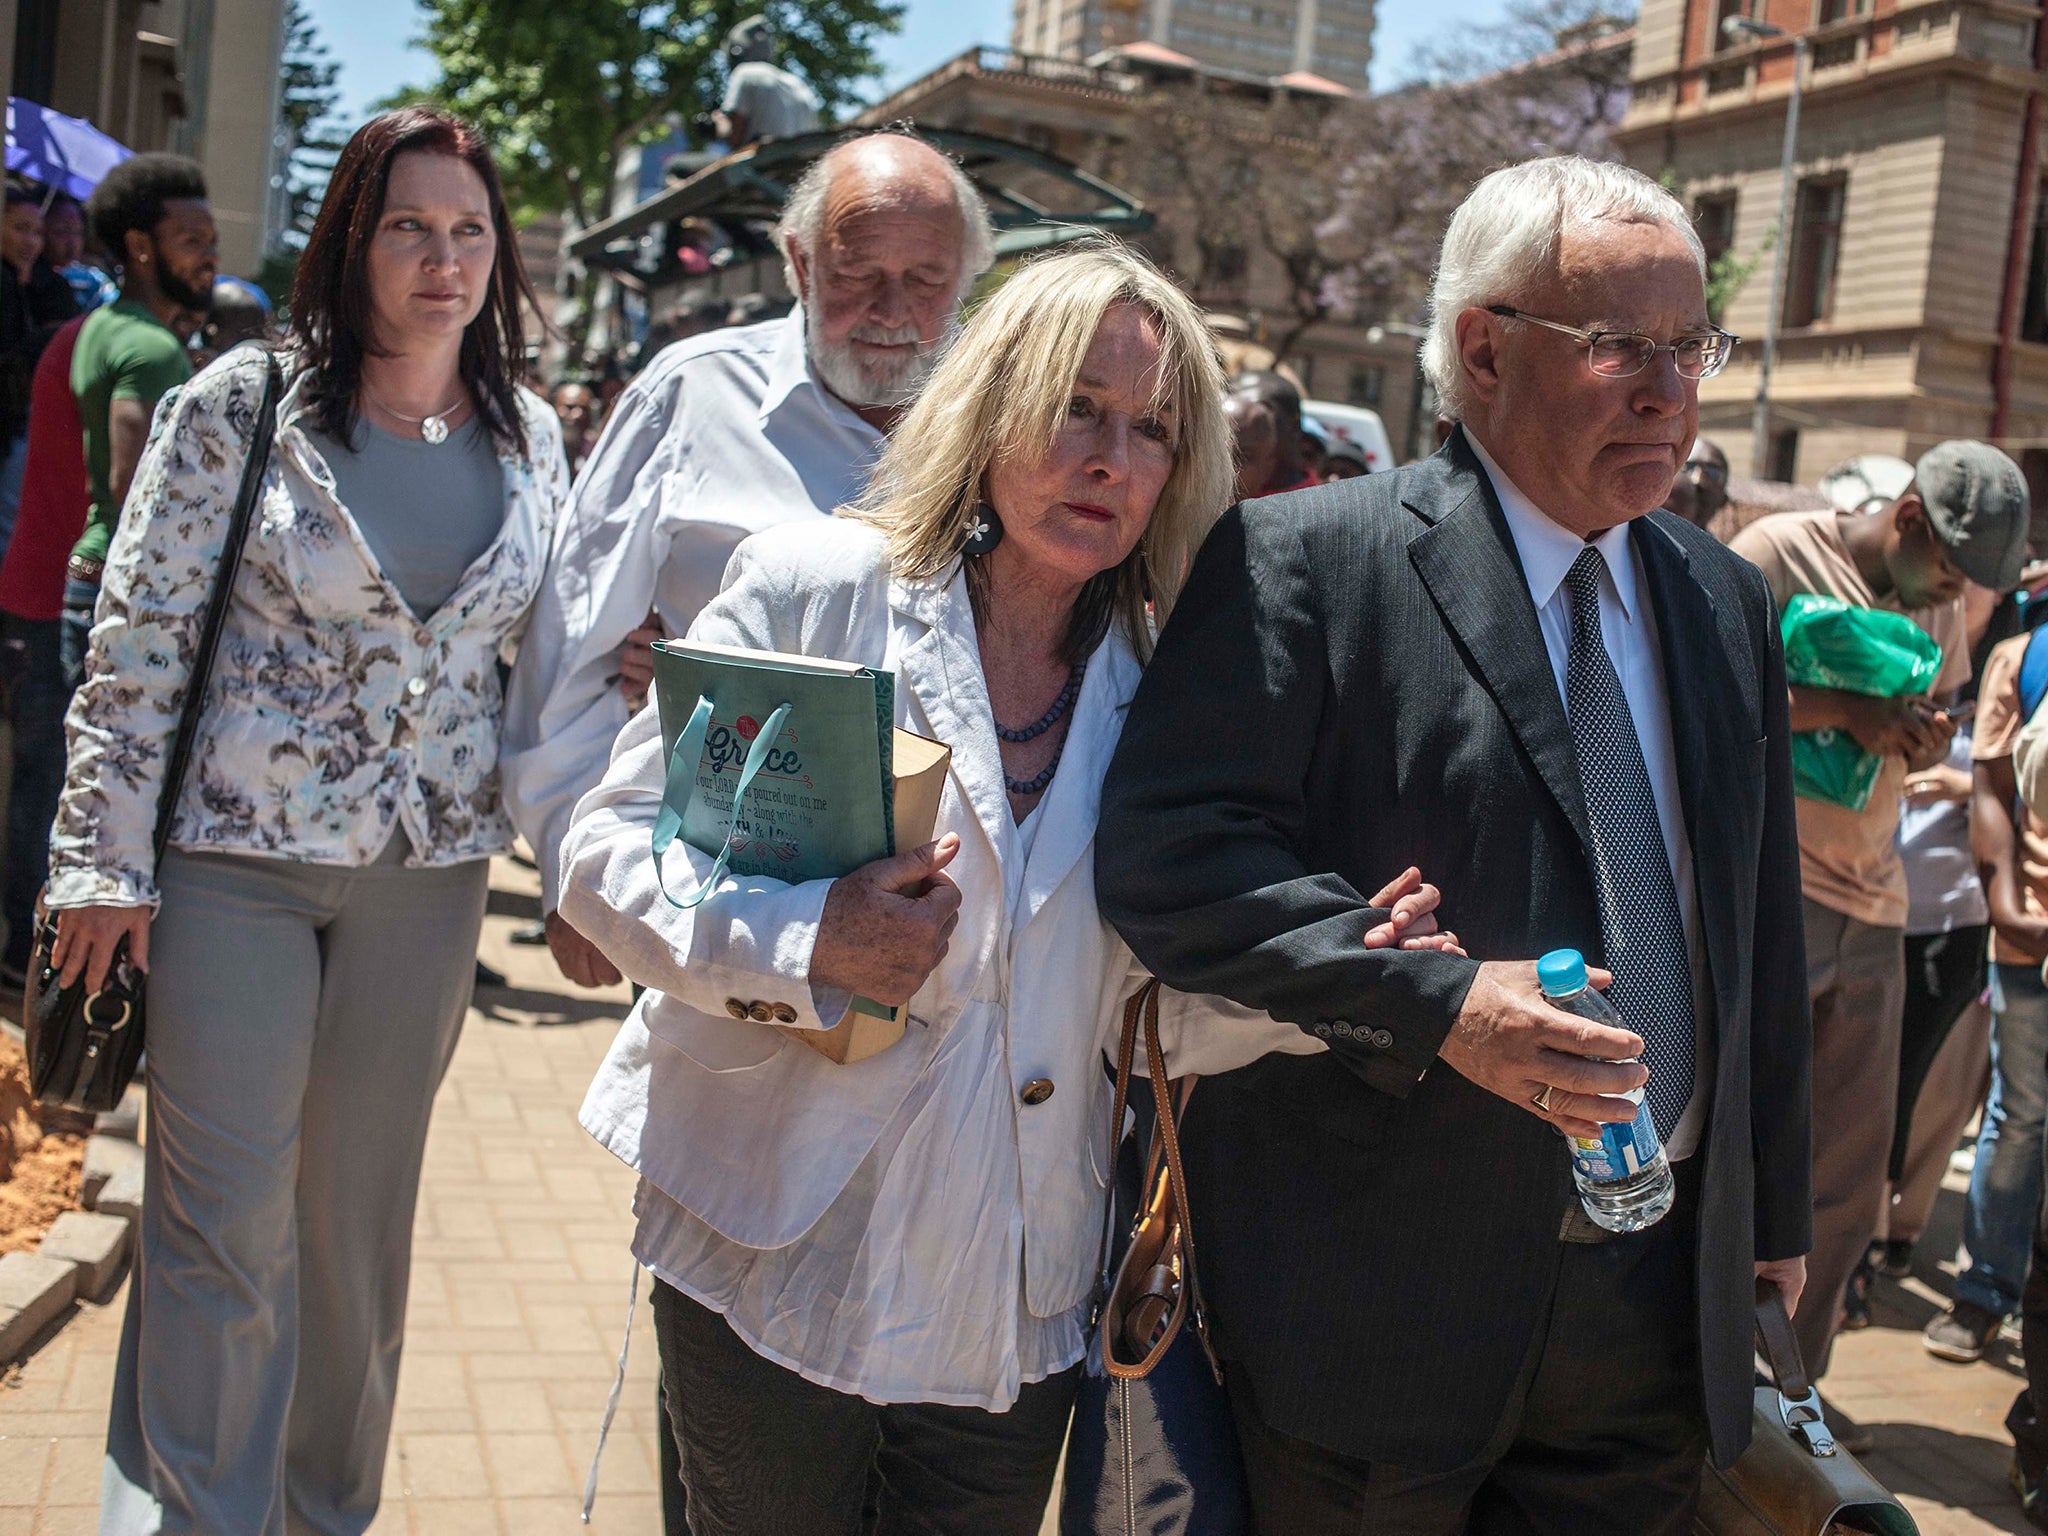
(370, 39)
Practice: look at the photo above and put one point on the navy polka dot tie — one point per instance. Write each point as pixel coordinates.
(1639, 920)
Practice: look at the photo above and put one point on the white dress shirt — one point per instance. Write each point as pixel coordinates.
(1629, 627)
(723, 435)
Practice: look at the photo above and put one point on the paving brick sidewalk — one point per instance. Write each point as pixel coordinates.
(1940, 1428)
(518, 1299)
(519, 1293)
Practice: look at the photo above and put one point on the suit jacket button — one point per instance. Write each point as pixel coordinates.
(1037, 1091)
(1323, 1030)
(761, 1013)
(784, 1014)
(735, 1007)
(1382, 1040)
(1341, 1029)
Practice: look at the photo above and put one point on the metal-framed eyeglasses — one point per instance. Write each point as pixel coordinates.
(1624, 354)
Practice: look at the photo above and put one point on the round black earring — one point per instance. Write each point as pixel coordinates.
(984, 530)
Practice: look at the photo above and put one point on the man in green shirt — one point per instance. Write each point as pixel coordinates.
(152, 213)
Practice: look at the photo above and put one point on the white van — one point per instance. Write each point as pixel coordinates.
(1353, 423)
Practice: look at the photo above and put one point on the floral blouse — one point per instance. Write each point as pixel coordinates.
(333, 711)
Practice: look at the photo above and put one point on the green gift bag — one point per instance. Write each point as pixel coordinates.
(1830, 643)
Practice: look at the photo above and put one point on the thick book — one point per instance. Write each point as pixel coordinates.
(835, 786)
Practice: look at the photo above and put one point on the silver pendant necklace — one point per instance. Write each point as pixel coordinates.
(432, 429)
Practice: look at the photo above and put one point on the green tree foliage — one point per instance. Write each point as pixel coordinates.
(1727, 273)
(311, 139)
(562, 87)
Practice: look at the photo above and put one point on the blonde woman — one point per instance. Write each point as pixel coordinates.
(875, 1278)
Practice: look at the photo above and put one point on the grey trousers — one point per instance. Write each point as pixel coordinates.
(300, 1019)
(1856, 978)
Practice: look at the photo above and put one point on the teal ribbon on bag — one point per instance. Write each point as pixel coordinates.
(681, 788)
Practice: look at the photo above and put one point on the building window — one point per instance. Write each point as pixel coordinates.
(1816, 252)
(1368, 382)
(1827, 11)
(1785, 456)
(1836, 52)
(1723, 10)
(2034, 315)
(1714, 218)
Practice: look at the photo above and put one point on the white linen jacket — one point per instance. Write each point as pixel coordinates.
(751, 1131)
(332, 709)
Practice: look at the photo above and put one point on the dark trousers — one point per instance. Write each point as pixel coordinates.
(1944, 975)
(37, 714)
(675, 1499)
(765, 1451)
(1606, 1431)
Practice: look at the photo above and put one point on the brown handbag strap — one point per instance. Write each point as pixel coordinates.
(1799, 1405)
(1170, 1101)
(1126, 1049)
(1780, 1344)
(1168, 1120)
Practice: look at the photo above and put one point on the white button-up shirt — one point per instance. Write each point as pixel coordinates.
(1629, 628)
(723, 435)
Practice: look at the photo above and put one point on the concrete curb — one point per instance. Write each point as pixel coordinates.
(81, 1256)
(95, 1243)
(105, 1156)
(124, 1120)
(33, 1291)
(121, 1195)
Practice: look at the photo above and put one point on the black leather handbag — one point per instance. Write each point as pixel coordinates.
(83, 1047)
(1153, 1450)
(1794, 1480)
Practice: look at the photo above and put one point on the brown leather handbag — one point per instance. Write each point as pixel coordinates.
(1794, 1480)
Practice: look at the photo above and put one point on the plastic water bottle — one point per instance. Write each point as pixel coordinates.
(1623, 1176)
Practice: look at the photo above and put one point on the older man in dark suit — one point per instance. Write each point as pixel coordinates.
(1506, 666)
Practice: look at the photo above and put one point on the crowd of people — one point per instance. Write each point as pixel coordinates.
(1335, 756)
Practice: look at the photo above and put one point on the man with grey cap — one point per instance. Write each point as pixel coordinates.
(1964, 518)
(762, 99)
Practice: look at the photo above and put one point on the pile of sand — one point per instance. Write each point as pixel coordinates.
(39, 1164)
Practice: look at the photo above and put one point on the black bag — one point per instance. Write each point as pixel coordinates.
(82, 1047)
(1794, 1480)
(1153, 1450)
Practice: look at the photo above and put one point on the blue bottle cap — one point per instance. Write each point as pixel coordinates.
(1562, 972)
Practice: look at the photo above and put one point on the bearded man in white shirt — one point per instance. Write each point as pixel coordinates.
(726, 434)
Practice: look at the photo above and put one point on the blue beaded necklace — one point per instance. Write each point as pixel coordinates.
(1044, 723)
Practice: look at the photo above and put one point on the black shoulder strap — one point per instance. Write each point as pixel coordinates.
(217, 602)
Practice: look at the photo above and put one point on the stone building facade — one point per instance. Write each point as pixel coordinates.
(1330, 38)
(198, 77)
(1916, 298)
(1086, 114)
